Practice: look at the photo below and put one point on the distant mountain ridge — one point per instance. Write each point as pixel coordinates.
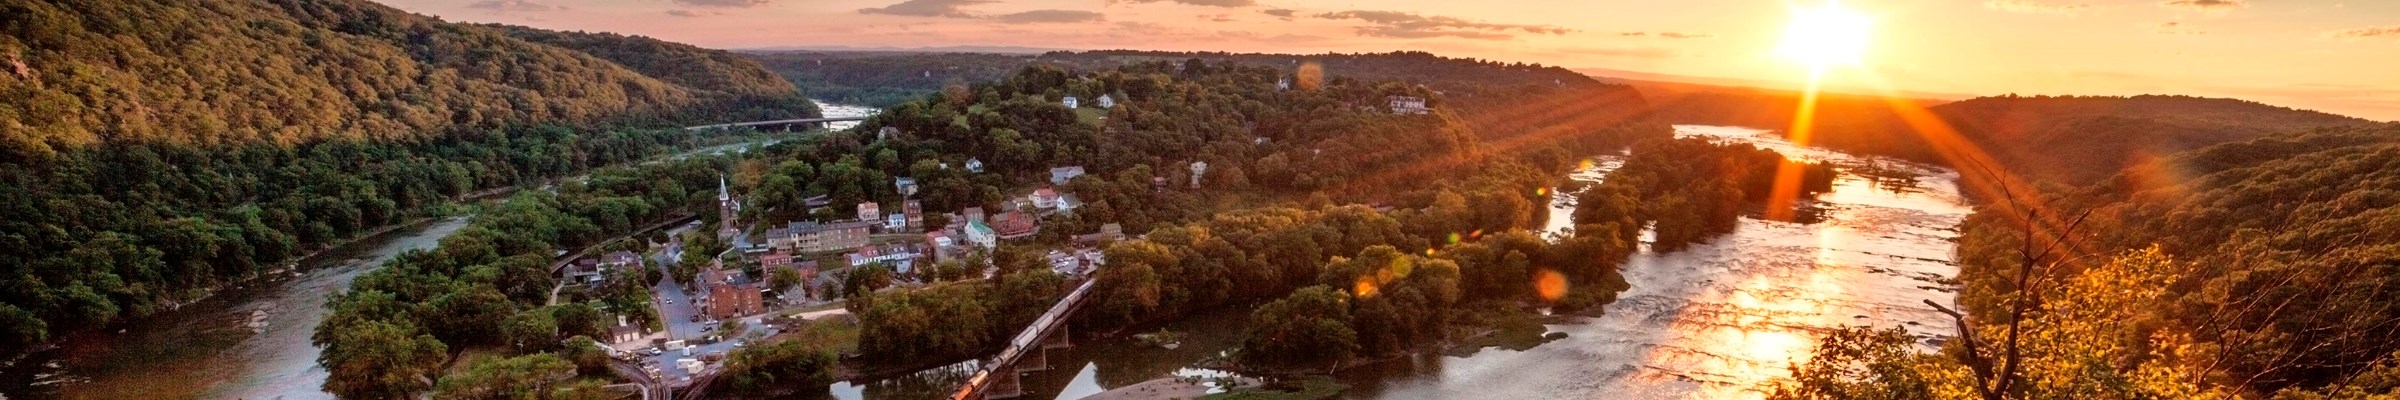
(2076, 139)
(2070, 139)
(293, 71)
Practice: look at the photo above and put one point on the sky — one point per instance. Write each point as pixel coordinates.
(2339, 56)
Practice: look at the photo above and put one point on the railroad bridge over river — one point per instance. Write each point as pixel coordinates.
(1028, 351)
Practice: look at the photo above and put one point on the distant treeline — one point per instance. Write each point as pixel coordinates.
(2067, 139)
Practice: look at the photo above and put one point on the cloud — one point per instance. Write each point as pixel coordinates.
(1639, 52)
(1395, 24)
(514, 5)
(1284, 13)
(2036, 7)
(2367, 32)
(2177, 28)
(1210, 3)
(1049, 17)
(928, 8)
(1669, 35)
(1217, 17)
(683, 13)
(2206, 5)
(725, 3)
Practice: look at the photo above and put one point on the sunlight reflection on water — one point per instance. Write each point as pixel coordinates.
(1727, 318)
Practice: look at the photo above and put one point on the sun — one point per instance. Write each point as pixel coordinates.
(1827, 35)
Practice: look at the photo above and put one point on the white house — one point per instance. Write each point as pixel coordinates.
(895, 222)
(1067, 203)
(981, 235)
(1199, 168)
(869, 211)
(1070, 102)
(1107, 102)
(974, 165)
(1409, 105)
(1044, 198)
(905, 185)
(1060, 175)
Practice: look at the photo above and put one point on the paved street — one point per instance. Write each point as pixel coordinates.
(675, 306)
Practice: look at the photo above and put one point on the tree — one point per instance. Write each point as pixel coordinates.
(1309, 328)
(579, 319)
(766, 369)
(532, 331)
(528, 376)
(866, 279)
(380, 360)
(1864, 363)
(782, 279)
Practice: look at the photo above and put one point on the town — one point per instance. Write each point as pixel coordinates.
(738, 298)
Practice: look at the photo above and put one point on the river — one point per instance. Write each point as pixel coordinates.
(1727, 319)
(1721, 320)
(208, 350)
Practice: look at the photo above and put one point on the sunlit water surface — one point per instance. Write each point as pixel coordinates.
(1727, 318)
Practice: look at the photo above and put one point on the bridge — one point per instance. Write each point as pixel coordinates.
(787, 123)
(1026, 352)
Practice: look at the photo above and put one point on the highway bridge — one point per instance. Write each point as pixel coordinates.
(1026, 352)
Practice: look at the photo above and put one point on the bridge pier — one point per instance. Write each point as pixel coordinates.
(1034, 360)
(1057, 339)
(1005, 386)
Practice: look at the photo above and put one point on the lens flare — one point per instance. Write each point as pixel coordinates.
(1549, 284)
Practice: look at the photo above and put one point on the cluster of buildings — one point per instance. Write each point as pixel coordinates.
(730, 293)
(591, 272)
(869, 239)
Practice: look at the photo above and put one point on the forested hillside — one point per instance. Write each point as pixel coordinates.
(2068, 139)
(2260, 268)
(292, 72)
(152, 150)
(1516, 107)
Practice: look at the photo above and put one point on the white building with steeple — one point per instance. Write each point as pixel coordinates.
(728, 211)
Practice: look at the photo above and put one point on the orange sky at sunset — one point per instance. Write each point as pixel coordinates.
(2337, 56)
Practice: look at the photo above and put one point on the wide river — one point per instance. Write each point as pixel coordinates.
(1725, 319)
(209, 349)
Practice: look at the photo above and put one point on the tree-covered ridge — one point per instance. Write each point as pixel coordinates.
(223, 73)
(2070, 139)
(2085, 138)
(1511, 106)
(2253, 269)
(676, 63)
